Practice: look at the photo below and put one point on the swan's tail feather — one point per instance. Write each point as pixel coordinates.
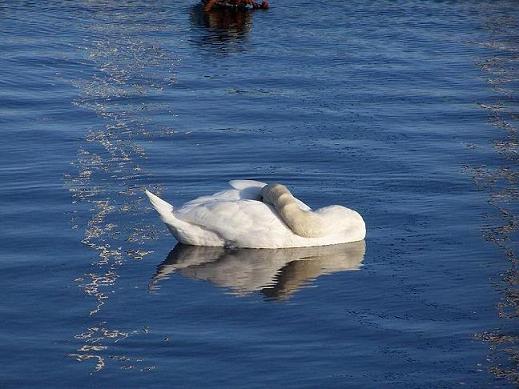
(164, 208)
(183, 231)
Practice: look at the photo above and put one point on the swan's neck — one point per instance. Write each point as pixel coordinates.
(303, 223)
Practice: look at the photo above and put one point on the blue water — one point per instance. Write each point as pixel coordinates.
(405, 111)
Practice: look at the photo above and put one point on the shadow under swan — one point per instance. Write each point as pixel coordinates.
(276, 273)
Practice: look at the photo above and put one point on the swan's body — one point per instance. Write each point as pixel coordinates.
(253, 214)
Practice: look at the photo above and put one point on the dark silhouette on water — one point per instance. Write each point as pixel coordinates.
(210, 5)
(221, 24)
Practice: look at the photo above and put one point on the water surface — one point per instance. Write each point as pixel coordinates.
(405, 111)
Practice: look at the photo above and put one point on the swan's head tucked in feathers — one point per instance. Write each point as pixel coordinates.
(302, 222)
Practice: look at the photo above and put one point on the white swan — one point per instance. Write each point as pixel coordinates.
(253, 214)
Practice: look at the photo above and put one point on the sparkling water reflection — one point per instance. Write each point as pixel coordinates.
(501, 181)
(131, 73)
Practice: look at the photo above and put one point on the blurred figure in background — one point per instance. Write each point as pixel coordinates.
(209, 5)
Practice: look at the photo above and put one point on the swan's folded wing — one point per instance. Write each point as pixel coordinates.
(245, 184)
(240, 190)
(239, 221)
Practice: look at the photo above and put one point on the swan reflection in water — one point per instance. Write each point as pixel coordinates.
(276, 273)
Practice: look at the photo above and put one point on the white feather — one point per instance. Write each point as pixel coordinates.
(236, 217)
